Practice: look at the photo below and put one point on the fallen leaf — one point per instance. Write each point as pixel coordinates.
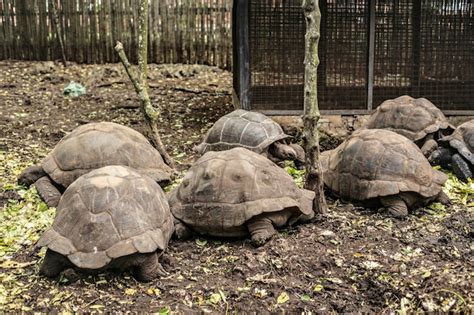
(130, 291)
(215, 298)
(283, 298)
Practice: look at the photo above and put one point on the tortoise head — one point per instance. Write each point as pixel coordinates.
(280, 151)
(300, 159)
(441, 156)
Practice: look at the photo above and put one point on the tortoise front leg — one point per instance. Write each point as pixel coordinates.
(53, 264)
(443, 199)
(429, 146)
(148, 268)
(461, 168)
(48, 192)
(261, 230)
(395, 206)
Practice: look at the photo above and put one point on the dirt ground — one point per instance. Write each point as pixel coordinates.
(348, 260)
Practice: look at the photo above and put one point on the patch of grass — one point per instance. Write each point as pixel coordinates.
(23, 222)
(458, 191)
(298, 175)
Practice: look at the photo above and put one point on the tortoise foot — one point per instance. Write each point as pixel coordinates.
(395, 206)
(261, 230)
(148, 268)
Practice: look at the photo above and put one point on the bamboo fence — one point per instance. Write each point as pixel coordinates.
(180, 31)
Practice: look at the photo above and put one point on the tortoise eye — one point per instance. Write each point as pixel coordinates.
(237, 177)
(207, 175)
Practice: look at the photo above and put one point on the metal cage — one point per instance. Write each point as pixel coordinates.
(370, 51)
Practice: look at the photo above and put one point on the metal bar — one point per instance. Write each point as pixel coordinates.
(242, 49)
(343, 112)
(290, 112)
(459, 112)
(416, 37)
(371, 56)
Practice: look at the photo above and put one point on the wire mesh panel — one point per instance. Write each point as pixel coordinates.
(276, 31)
(370, 51)
(425, 49)
(343, 54)
(393, 59)
(276, 54)
(447, 53)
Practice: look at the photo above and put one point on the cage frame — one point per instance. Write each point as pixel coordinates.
(242, 54)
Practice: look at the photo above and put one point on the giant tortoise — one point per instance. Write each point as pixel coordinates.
(417, 119)
(379, 167)
(89, 147)
(255, 132)
(456, 151)
(109, 218)
(235, 193)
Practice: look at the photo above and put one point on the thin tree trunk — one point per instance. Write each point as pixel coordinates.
(59, 32)
(140, 83)
(314, 175)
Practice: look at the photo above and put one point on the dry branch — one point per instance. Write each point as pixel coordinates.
(151, 113)
(314, 174)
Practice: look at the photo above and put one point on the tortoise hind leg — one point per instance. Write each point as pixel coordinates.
(48, 192)
(31, 175)
(461, 168)
(395, 206)
(53, 264)
(261, 230)
(148, 268)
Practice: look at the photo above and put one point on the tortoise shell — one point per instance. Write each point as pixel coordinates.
(374, 163)
(223, 190)
(95, 145)
(462, 140)
(108, 213)
(240, 128)
(412, 118)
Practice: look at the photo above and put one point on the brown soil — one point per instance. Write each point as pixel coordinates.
(349, 260)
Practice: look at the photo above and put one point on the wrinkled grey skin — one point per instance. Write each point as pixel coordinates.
(456, 152)
(450, 159)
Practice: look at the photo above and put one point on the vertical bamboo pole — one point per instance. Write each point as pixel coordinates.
(314, 174)
(59, 31)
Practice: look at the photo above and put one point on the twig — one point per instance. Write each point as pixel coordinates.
(151, 114)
